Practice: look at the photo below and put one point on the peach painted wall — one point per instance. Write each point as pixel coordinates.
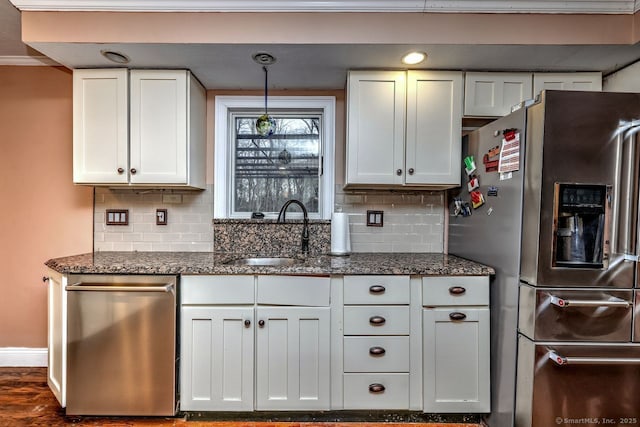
(366, 28)
(42, 214)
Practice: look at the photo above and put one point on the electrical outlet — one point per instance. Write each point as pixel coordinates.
(161, 217)
(172, 198)
(375, 218)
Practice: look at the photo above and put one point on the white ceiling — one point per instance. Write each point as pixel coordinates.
(319, 66)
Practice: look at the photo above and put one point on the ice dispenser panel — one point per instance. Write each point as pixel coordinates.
(581, 215)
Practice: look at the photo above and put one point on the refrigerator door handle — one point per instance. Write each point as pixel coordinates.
(612, 302)
(625, 195)
(564, 360)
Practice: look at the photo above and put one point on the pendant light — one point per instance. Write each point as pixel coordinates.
(265, 124)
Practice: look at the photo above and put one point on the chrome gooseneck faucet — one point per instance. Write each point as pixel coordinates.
(305, 227)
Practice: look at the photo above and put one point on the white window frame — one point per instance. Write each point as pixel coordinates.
(223, 154)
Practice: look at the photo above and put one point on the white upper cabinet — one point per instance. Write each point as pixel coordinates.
(434, 126)
(493, 94)
(376, 123)
(403, 128)
(143, 127)
(567, 81)
(100, 126)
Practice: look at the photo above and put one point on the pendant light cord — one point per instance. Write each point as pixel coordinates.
(265, 89)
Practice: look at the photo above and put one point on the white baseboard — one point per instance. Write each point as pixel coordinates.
(23, 357)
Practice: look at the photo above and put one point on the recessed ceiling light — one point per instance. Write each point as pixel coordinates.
(413, 58)
(114, 56)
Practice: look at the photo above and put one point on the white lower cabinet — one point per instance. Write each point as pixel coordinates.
(57, 335)
(298, 343)
(456, 344)
(254, 357)
(216, 358)
(292, 358)
(376, 342)
(376, 391)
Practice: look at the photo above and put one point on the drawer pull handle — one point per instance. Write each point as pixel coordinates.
(377, 320)
(457, 290)
(261, 323)
(377, 351)
(377, 289)
(247, 323)
(376, 388)
(456, 315)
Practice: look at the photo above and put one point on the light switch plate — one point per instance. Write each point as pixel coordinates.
(117, 217)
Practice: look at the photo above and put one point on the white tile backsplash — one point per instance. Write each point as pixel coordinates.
(413, 221)
(188, 229)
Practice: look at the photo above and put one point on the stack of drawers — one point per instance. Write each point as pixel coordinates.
(376, 342)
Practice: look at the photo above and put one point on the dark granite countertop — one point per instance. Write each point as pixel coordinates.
(426, 264)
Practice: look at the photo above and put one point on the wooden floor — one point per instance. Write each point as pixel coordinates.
(25, 400)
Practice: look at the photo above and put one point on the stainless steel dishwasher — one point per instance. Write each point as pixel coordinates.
(121, 345)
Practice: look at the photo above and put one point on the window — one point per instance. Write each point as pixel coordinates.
(259, 174)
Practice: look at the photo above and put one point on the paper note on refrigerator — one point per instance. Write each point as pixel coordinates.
(510, 153)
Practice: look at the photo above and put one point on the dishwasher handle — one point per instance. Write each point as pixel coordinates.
(122, 288)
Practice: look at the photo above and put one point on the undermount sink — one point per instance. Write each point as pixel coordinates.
(267, 261)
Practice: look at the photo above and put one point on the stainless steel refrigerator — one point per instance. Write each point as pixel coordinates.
(550, 200)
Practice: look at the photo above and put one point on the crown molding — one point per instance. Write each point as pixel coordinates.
(451, 6)
(28, 61)
(222, 5)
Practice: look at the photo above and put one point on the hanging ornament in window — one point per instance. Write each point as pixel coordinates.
(285, 157)
(265, 124)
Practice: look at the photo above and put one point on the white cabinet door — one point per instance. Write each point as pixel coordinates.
(57, 336)
(216, 362)
(293, 358)
(158, 126)
(376, 125)
(434, 127)
(493, 94)
(100, 126)
(567, 81)
(456, 360)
